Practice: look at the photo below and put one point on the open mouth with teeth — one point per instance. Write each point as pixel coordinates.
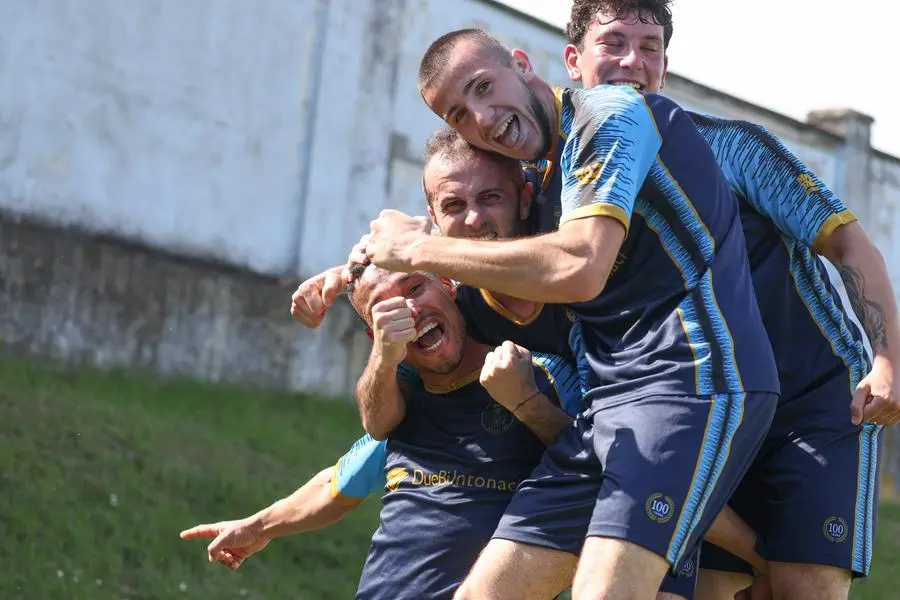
(632, 84)
(431, 336)
(508, 132)
(483, 237)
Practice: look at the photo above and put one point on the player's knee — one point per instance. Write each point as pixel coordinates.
(798, 581)
(720, 585)
(466, 591)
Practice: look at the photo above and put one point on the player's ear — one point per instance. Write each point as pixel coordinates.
(450, 285)
(525, 200)
(522, 64)
(571, 56)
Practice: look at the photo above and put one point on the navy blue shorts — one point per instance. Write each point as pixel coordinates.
(655, 472)
(812, 493)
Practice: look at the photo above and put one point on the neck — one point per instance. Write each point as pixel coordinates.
(472, 358)
(521, 308)
(546, 95)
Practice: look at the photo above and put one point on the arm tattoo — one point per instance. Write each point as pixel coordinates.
(869, 313)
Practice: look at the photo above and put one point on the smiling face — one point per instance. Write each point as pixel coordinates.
(488, 100)
(475, 195)
(620, 51)
(442, 330)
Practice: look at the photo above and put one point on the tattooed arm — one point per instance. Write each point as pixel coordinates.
(865, 276)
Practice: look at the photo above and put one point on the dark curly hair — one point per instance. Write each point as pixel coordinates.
(584, 12)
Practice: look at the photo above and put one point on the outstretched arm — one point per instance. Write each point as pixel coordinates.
(311, 507)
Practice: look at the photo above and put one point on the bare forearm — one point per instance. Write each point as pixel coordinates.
(543, 418)
(378, 395)
(309, 508)
(871, 295)
(547, 268)
(730, 532)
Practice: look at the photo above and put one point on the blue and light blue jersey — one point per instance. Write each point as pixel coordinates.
(448, 471)
(678, 314)
(361, 472)
(787, 214)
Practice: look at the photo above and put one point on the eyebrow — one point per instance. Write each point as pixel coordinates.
(466, 89)
(650, 37)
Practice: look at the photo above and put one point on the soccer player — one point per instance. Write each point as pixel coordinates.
(675, 363)
(812, 493)
(475, 422)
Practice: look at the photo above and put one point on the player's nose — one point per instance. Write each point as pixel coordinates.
(474, 218)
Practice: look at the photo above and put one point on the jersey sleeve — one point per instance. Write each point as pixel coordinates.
(360, 472)
(558, 379)
(760, 168)
(611, 145)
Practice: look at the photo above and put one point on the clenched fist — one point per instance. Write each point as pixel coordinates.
(393, 237)
(508, 375)
(393, 327)
(316, 295)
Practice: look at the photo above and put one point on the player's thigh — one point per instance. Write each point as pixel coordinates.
(796, 581)
(669, 465)
(616, 568)
(514, 571)
(720, 585)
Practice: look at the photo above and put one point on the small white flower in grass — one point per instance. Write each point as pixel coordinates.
(182, 586)
(113, 500)
(242, 592)
(59, 573)
(99, 582)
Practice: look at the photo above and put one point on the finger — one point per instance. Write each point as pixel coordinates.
(873, 410)
(397, 302)
(412, 307)
(313, 301)
(488, 366)
(397, 324)
(858, 404)
(358, 256)
(332, 288)
(208, 530)
(404, 336)
(305, 316)
(218, 545)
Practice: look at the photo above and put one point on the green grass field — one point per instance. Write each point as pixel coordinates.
(100, 471)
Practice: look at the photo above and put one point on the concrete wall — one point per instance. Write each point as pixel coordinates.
(182, 125)
(83, 299)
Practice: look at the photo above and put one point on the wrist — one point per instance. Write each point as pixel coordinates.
(527, 404)
(419, 252)
(385, 359)
(264, 523)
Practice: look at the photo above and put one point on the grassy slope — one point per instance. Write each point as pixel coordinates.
(174, 454)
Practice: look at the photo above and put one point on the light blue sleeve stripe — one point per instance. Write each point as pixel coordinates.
(761, 169)
(560, 382)
(360, 472)
(612, 144)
